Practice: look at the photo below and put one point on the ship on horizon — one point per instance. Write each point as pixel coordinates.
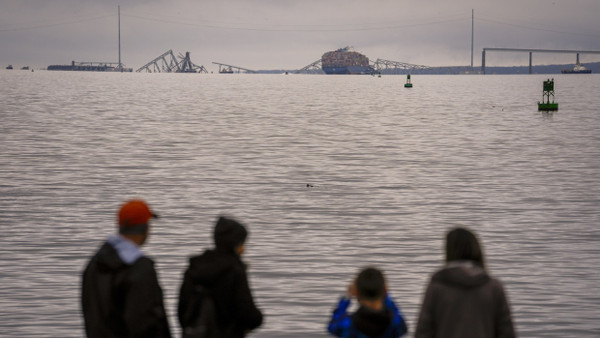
(97, 66)
(578, 69)
(345, 61)
(92, 67)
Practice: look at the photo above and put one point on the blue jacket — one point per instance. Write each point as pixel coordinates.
(367, 323)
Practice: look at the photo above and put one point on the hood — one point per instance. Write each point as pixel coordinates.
(210, 267)
(108, 258)
(370, 322)
(117, 253)
(463, 276)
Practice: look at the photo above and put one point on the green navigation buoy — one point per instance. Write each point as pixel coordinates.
(408, 84)
(546, 105)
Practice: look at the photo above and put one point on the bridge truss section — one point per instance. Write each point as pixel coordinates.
(230, 69)
(168, 63)
(388, 66)
(313, 68)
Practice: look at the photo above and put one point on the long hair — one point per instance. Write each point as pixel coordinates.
(462, 244)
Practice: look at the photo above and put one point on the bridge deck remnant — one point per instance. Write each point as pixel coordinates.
(534, 50)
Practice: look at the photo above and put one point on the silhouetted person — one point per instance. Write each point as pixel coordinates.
(120, 296)
(462, 300)
(221, 274)
(377, 315)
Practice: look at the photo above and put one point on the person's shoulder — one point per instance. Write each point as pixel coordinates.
(143, 265)
(207, 255)
(235, 264)
(144, 262)
(496, 284)
(107, 257)
(438, 276)
(213, 257)
(229, 258)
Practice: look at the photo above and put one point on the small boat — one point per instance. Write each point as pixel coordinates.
(25, 68)
(9, 67)
(578, 69)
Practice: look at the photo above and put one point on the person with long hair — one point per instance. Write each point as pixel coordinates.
(462, 299)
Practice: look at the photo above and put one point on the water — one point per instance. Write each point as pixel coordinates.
(391, 168)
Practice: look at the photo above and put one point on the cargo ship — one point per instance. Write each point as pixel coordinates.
(345, 61)
(92, 67)
(578, 69)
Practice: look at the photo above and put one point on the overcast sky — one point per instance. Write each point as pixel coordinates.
(290, 34)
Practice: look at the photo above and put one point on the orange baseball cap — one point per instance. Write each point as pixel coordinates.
(134, 213)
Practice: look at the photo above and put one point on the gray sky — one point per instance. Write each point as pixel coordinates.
(286, 34)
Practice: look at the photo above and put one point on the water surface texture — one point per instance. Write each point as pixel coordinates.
(391, 170)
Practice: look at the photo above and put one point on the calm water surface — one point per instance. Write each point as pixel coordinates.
(392, 169)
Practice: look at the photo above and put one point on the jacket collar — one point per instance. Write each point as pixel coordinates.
(128, 251)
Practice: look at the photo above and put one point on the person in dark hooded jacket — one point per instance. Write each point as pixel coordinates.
(462, 300)
(120, 295)
(222, 274)
(377, 315)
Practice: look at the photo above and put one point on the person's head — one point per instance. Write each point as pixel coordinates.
(462, 245)
(134, 220)
(230, 235)
(370, 285)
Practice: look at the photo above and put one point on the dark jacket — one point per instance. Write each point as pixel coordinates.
(223, 274)
(388, 323)
(464, 301)
(120, 299)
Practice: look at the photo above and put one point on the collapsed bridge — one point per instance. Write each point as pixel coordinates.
(168, 63)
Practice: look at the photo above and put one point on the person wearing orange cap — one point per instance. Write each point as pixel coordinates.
(120, 295)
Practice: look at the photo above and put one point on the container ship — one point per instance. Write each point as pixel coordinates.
(345, 61)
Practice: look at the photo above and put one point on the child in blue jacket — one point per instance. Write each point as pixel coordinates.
(377, 315)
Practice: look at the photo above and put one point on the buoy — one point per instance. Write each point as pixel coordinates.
(408, 84)
(548, 90)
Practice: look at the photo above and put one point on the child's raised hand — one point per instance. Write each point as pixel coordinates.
(352, 289)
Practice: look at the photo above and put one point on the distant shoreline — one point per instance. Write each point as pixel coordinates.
(449, 70)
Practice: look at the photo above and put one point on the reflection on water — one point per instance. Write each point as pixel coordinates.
(391, 170)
